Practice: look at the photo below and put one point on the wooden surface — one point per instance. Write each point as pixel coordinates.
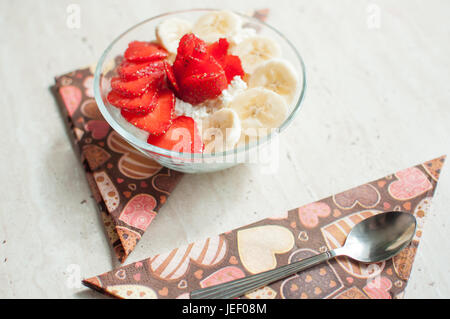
(377, 102)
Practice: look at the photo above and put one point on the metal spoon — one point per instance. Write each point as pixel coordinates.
(374, 239)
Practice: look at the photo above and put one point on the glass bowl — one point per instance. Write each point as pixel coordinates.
(188, 162)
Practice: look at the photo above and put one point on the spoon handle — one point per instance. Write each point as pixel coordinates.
(241, 286)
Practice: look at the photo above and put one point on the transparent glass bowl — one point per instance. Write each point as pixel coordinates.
(187, 162)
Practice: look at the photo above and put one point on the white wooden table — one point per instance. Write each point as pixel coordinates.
(377, 101)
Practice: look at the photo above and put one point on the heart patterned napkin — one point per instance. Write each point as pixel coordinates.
(128, 187)
(285, 238)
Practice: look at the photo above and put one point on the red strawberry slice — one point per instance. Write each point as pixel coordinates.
(139, 105)
(171, 80)
(182, 136)
(232, 66)
(194, 66)
(196, 89)
(139, 51)
(191, 58)
(203, 72)
(192, 46)
(230, 63)
(133, 88)
(132, 71)
(188, 66)
(186, 45)
(178, 68)
(218, 50)
(157, 121)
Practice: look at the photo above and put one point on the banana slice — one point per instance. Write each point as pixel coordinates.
(223, 130)
(215, 25)
(254, 51)
(276, 75)
(259, 108)
(170, 31)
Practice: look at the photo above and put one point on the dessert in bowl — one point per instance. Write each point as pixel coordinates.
(199, 90)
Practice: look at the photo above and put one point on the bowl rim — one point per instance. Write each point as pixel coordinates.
(129, 137)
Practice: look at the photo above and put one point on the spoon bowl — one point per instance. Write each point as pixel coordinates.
(379, 237)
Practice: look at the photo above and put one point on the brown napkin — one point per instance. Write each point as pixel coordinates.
(128, 187)
(291, 236)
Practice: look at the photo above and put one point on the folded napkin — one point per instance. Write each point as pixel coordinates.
(128, 187)
(285, 238)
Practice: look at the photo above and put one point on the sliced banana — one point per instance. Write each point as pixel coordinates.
(259, 108)
(276, 75)
(223, 131)
(170, 31)
(215, 25)
(254, 51)
(242, 34)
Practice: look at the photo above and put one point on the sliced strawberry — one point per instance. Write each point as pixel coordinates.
(157, 121)
(196, 89)
(134, 88)
(132, 71)
(139, 51)
(192, 46)
(139, 105)
(218, 50)
(186, 45)
(202, 72)
(179, 69)
(232, 66)
(230, 63)
(171, 80)
(192, 66)
(182, 136)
